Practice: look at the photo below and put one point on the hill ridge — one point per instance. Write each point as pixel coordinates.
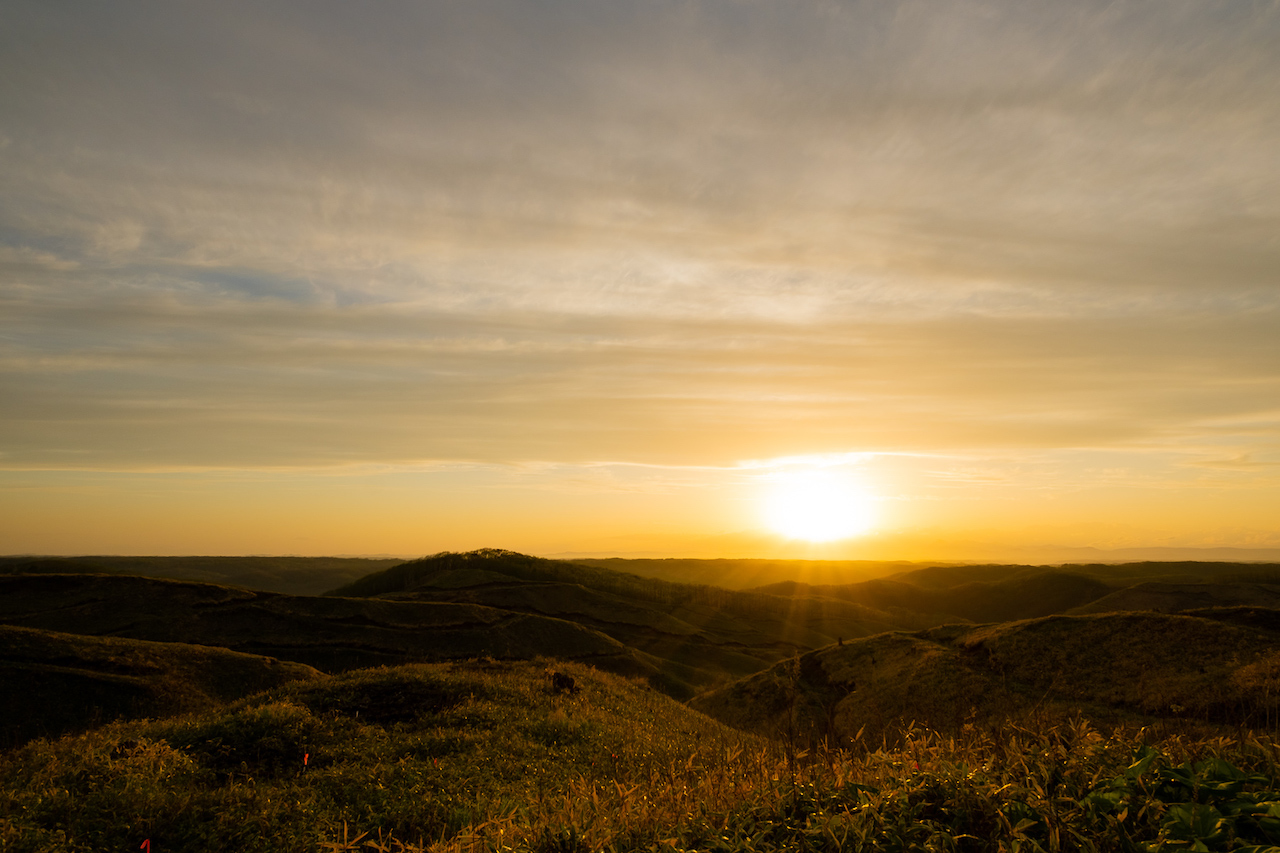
(1110, 666)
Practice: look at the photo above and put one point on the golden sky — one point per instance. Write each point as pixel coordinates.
(625, 277)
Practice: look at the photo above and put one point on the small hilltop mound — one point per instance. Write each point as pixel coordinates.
(469, 568)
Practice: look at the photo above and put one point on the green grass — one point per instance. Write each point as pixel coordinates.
(1218, 667)
(1056, 788)
(421, 752)
(483, 757)
(56, 683)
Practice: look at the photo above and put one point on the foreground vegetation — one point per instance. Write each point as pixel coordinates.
(1064, 788)
(486, 756)
(421, 752)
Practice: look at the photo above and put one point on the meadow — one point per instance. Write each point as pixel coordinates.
(130, 724)
(489, 756)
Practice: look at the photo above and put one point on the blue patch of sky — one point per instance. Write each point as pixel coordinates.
(299, 289)
(62, 246)
(258, 285)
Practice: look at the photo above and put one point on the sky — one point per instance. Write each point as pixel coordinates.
(992, 279)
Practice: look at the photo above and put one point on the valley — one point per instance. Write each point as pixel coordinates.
(415, 704)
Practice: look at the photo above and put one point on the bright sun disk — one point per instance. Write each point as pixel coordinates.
(817, 506)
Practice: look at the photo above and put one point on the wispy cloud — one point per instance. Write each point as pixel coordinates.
(671, 234)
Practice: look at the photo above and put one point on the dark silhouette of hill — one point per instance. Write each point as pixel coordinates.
(684, 638)
(748, 573)
(1174, 597)
(1215, 666)
(288, 575)
(1116, 574)
(1018, 595)
(52, 683)
(1000, 593)
(328, 633)
(703, 634)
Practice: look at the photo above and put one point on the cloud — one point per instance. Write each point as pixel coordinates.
(1243, 462)
(690, 233)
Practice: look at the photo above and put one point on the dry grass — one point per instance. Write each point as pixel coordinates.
(1060, 788)
(488, 758)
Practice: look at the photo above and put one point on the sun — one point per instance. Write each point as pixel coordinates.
(817, 505)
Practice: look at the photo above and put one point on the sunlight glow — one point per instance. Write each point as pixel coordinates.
(817, 505)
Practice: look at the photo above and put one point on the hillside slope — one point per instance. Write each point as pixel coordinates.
(935, 595)
(288, 575)
(1117, 575)
(684, 638)
(1219, 665)
(747, 573)
(1175, 597)
(51, 682)
(705, 635)
(420, 752)
(328, 633)
(1018, 595)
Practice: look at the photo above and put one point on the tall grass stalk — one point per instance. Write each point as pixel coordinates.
(1063, 788)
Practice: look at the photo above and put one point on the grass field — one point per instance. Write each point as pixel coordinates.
(1131, 731)
(488, 756)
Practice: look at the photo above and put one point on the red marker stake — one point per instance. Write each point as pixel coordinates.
(305, 756)
(146, 845)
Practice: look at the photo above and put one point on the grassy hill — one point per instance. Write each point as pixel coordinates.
(685, 638)
(1174, 597)
(701, 635)
(487, 757)
(1116, 574)
(682, 637)
(52, 679)
(1020, 596)
(288, 575)
(1017, 733)
(328, 633)
(417, 752)
(934, 595)
(1216, 666)
(748, 573)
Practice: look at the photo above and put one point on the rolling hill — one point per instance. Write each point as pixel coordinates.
(1175, 597)
(328, 633)
(51, 678)
(1215, 666)
(999, 593)
(288, 575)
(480, 740)
(683, 638)
(703, 635)
(748, 573)
(417, 753)
(1021, 596)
